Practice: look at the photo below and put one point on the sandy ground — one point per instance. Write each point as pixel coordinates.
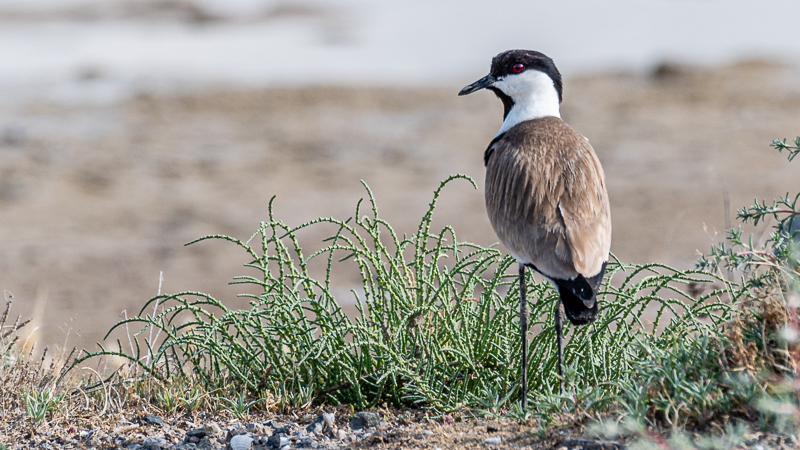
(97, 200)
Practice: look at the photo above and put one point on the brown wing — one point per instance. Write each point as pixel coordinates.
(547, 200)
(586, 213)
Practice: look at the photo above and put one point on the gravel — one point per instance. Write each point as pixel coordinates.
(330, 429)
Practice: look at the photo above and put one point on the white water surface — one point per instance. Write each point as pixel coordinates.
(46, 52)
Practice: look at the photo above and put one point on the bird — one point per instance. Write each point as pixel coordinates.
(545, 192)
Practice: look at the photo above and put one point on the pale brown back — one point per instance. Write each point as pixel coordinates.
(546, 198)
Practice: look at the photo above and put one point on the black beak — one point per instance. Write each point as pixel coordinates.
(483, 83)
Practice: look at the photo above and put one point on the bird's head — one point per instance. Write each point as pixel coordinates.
(526, 80)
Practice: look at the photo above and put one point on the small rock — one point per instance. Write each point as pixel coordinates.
(286, 447)
(241, 442)
(212, 429)
(341, 434)
(365, 419)
(315, 427)
(154, 443)
(255, 428)
(235, 431)
(493, 440)
(356, 424)
(281, 430)
(277, 441)
(151, 419)
(321, 423)
(196, 433)
(205, 444)
(427, 432)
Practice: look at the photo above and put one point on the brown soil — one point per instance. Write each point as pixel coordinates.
(96, 200)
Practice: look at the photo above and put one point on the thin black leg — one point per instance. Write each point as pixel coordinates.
(523, 325)
(560, 339)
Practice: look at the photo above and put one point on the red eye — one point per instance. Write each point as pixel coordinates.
(518, 68)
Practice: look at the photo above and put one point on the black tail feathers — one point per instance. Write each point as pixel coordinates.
(579, 297)
(577, 311)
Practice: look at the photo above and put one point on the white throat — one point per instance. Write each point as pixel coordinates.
(534, 97)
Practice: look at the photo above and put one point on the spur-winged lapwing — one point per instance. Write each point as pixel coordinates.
(545, 191)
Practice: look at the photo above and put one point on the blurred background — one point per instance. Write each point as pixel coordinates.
(130, 127)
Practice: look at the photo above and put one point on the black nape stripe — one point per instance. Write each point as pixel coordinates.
(508, 102)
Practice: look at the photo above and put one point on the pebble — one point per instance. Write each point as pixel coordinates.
(241, 442)
(205, 444)
(154, 443)
(196, 434)
(496, 440)
(277, 441)
(151, 419)
(282, 430)
(235, 430)
(255, 428)
(427, 432)
(329, 419)
(317, 426)
(365, 419)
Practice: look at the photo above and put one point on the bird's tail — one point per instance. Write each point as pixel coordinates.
(577, 310)
(579, 297)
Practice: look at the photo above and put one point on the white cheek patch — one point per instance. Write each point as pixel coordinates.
(534, 96)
